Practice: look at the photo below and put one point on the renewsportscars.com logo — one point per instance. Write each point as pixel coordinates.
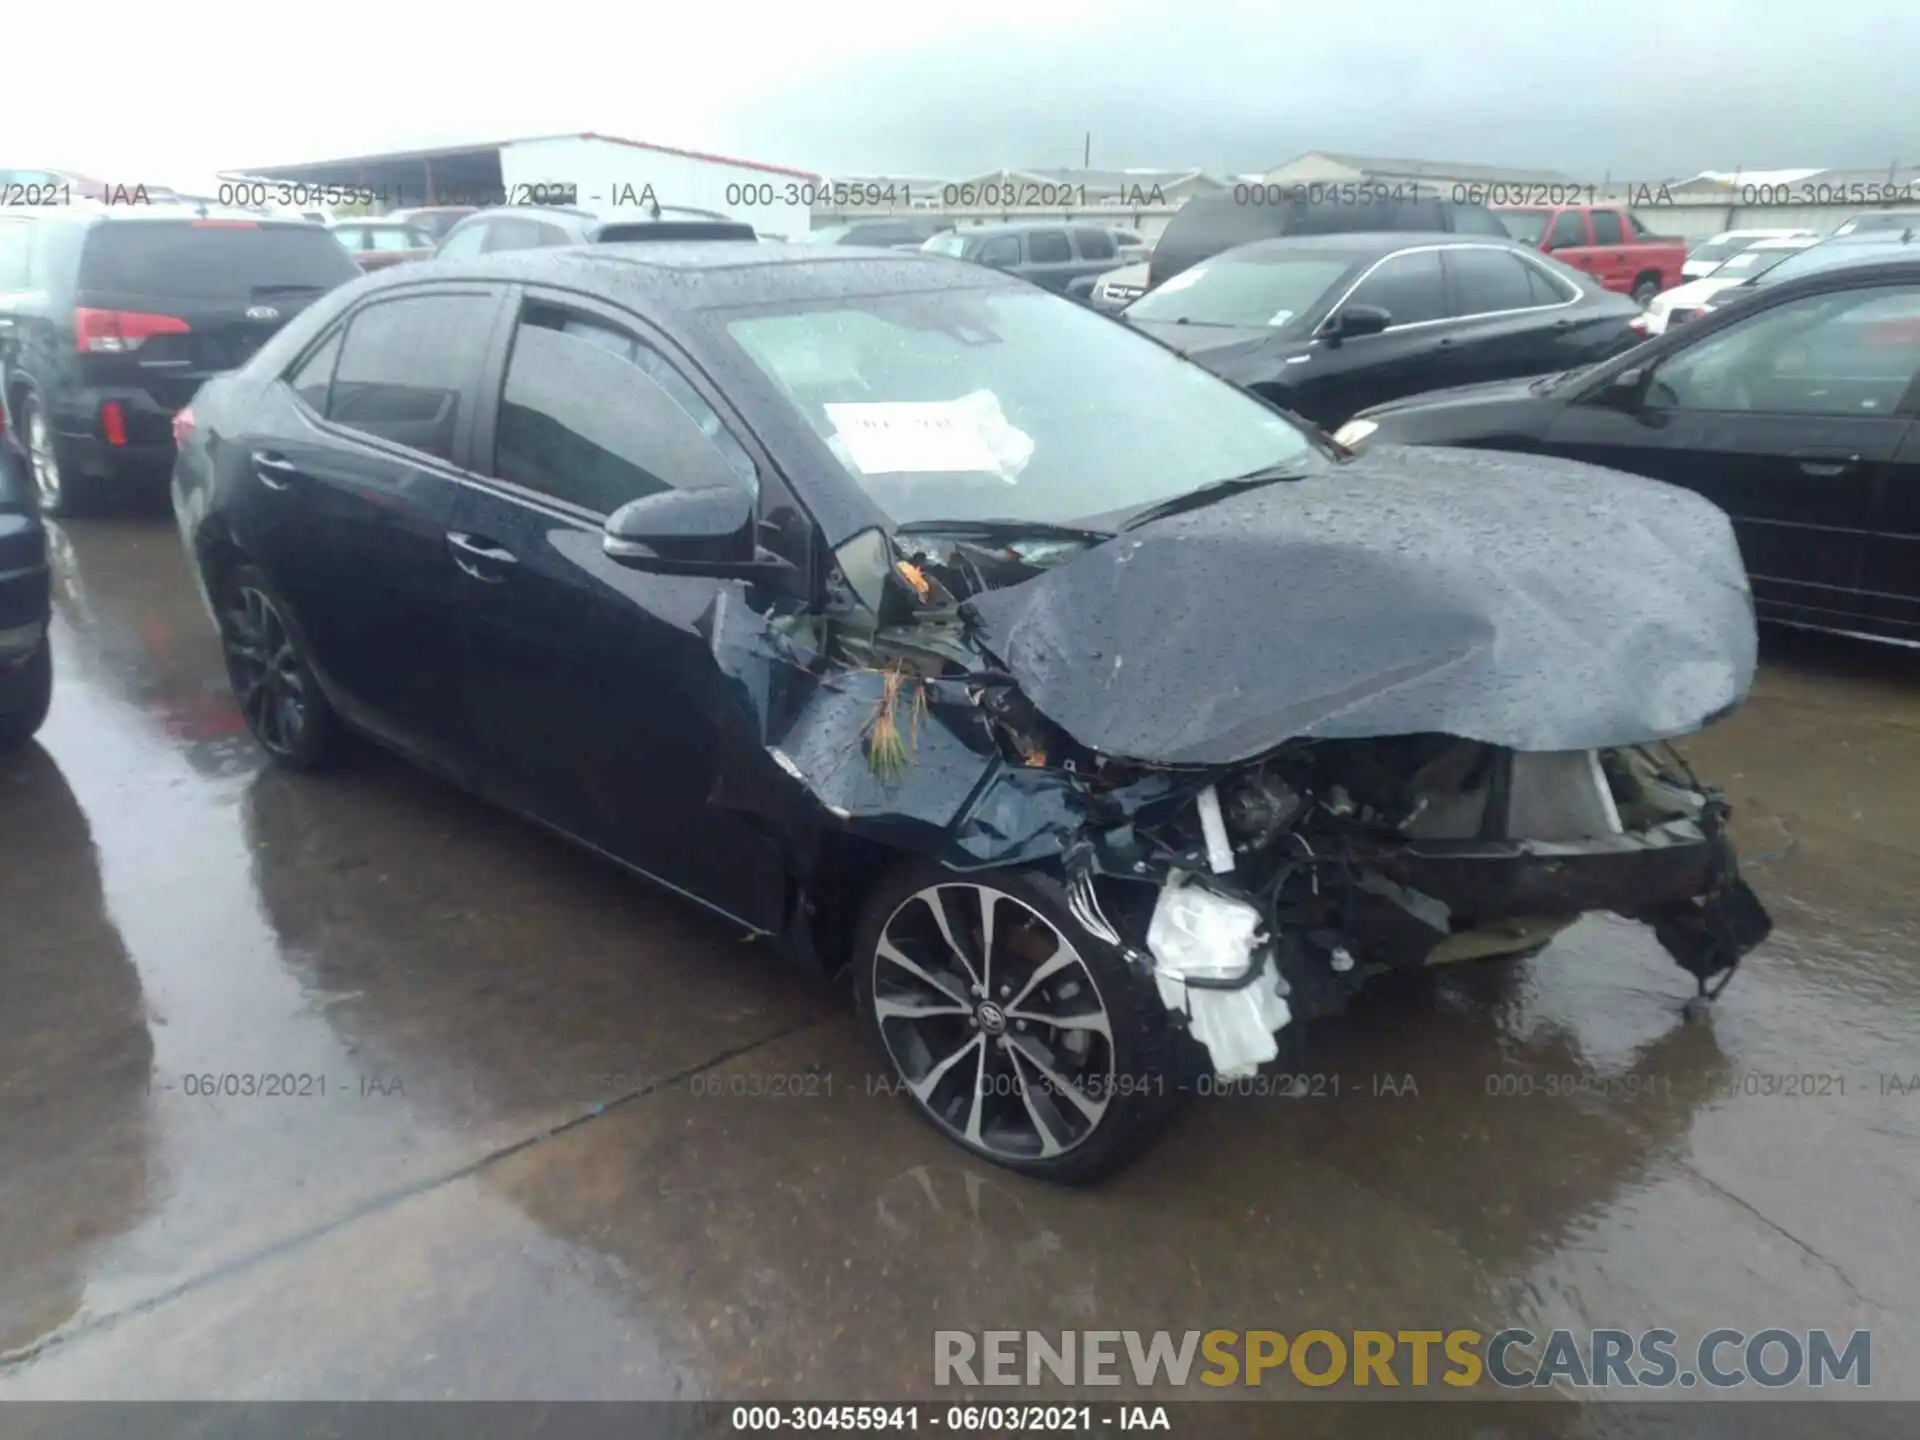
(1508, 1359)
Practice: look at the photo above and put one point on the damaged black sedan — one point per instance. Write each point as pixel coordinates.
(1099, 722)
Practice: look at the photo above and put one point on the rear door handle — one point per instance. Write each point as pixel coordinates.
(480, 557)
(1825, 462)
(273, 470)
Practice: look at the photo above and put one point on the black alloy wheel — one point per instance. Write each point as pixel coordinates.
(272, 682)
(1016, 1032)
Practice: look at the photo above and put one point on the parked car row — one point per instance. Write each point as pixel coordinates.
(1791, 401)
(112, 317)
(1327, 325)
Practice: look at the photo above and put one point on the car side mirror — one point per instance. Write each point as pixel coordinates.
(709, 531)
(1627, 389)
(1353, 321)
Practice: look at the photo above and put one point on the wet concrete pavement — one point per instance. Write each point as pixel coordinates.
(544, 1133)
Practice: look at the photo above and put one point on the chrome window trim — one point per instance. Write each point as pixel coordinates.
(1514, 250)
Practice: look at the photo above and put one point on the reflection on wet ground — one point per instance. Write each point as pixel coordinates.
(347, 1086)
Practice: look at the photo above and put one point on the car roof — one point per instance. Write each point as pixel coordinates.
(703, 274)
(1365, 244)
(1021, 227)
(1853, 270)
(534, 212)
(93, 212)
(1786, 242)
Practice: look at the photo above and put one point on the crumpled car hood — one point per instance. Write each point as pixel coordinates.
(1516, 600)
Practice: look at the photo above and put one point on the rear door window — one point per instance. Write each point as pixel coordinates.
(1606, 228)
(1486, 281)
(1001, 250)
(312, 377)
(1411, 288)
(1569, 231)
(409, 368)
(211, 259)
(1094, 244)
(1048, 247)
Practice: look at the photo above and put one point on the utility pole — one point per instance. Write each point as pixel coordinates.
(1086, 153)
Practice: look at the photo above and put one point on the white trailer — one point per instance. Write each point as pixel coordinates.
(623, 179)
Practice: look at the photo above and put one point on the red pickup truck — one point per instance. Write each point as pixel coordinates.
(1608, 242)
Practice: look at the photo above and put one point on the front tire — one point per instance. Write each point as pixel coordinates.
(30, 697)
(273, 683)
(1010, 1028)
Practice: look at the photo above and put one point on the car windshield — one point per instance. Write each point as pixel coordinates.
(1526, 226)
(1246, 290)
(1007, 404)
(948, 242)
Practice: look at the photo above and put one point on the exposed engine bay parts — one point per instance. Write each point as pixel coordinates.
(1278, 745)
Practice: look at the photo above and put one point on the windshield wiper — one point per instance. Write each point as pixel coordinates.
(1001, 530)
(1214, 490)
(1547, 384)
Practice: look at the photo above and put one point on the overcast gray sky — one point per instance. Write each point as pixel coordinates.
(1641, 88)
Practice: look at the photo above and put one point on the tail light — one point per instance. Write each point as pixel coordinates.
(113, 422)
(182, 427)
(1640, 325)
(120, 332)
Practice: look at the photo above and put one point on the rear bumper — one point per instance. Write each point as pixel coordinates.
(148, 452)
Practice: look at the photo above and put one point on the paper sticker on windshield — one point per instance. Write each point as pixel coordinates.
(968, 435)
(1280, 317)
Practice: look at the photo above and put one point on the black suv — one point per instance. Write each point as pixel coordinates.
(112, 316)
(1054, 256)
(1222, 219)
(534, 227)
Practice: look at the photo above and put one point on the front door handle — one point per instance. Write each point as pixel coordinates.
(480, 557)
(273, 470)
(1825, 462)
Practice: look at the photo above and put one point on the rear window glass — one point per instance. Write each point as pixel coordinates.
(211, 260)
